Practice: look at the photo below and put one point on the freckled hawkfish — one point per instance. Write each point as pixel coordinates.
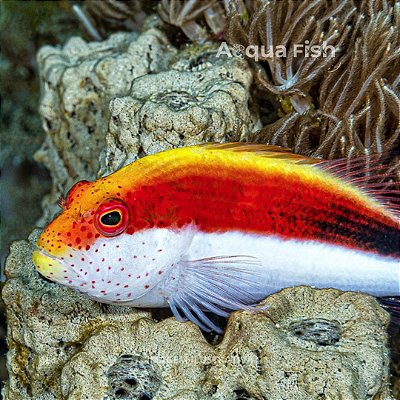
(219, 227)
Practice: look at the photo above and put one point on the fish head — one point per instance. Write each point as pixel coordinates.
(95, 247)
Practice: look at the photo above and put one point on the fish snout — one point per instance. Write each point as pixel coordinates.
(48, 266)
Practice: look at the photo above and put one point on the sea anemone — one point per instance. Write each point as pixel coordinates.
(342, 105)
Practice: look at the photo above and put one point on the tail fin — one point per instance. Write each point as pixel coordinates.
(392, 305)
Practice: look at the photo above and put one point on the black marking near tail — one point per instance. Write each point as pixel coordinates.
(372, 236)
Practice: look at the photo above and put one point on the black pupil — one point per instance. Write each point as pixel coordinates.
(111, 219)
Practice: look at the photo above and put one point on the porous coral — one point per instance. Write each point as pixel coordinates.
(200, 99)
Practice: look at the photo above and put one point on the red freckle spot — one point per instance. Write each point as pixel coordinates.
(160, 272)
(83, 228)
(129, 231)
(89, 235)
(58, 234)
(147, 274)
(146, 286)
(97, 235)
(79, 247)
(69, 244)
(87, 247)
(77, 240)
(118, 194)
(126, 286)
(98, 270)
(90, 221)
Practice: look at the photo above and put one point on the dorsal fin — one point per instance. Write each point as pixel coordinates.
(375, 175)
(262, 150)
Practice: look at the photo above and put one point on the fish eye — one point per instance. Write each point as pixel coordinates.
(112, 217)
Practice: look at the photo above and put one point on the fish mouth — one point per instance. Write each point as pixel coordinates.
(46, 264)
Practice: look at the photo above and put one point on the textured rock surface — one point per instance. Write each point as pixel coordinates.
(47, 324)
(200, 99)
(309, 344)
(313, 344)
(78, 82)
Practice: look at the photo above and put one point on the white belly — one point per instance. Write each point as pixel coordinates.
(285, 263)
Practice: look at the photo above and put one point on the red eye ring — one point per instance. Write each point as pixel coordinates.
(112, 217)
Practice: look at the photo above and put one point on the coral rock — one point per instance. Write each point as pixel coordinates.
(47, 324)
(309, 344)
(200, 99)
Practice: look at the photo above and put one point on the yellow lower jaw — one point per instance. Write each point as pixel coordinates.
(47, 266)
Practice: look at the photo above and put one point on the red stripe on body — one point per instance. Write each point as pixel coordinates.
(256, 203)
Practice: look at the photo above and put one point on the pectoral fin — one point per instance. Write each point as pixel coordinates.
(216, 284)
